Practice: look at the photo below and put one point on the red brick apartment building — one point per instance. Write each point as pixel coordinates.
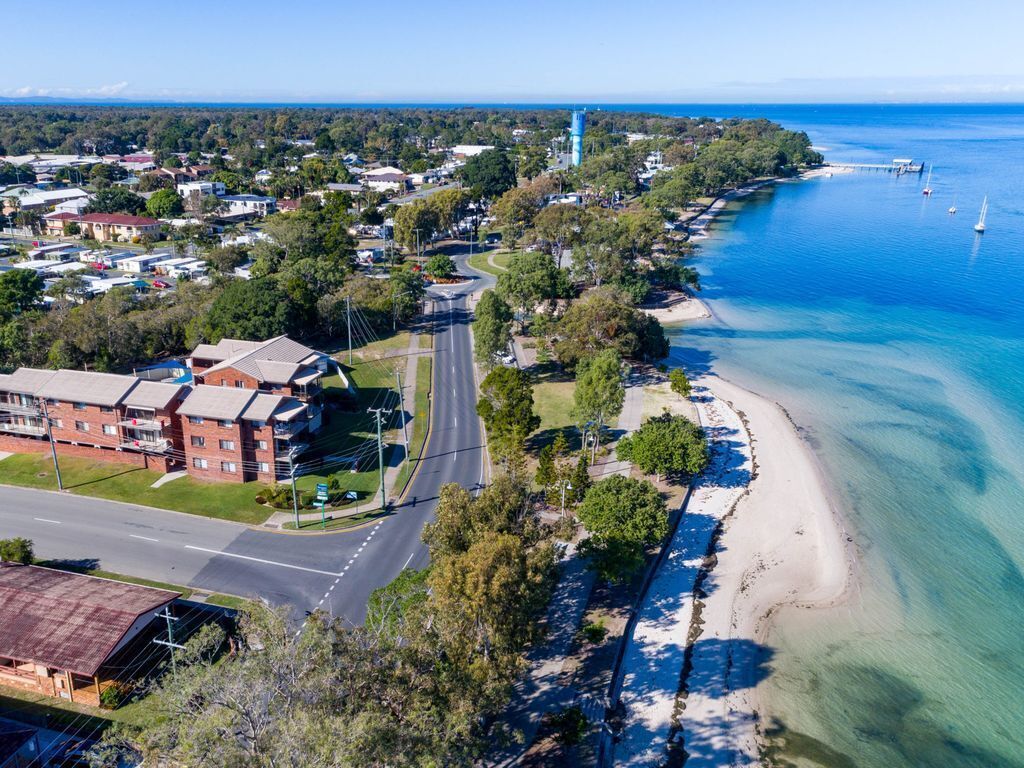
(253, 408)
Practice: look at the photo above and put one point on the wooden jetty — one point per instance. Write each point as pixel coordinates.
(899, 166)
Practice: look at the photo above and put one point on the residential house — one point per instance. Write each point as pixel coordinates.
(462, 151)
(53, 223)
(31, 199)
(118, 227)
(386, 179)
(72, 636)
(201, 188)
(249, 205)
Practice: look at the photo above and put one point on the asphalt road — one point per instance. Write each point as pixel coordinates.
(335, 572)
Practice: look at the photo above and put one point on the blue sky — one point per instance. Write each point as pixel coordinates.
(400, 50)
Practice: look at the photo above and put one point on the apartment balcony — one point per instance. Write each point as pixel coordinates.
(140, 424)
(159, 445)
(290, 429)
(22, 410)
(35, 430)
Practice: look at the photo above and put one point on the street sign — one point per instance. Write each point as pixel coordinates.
(321, 491)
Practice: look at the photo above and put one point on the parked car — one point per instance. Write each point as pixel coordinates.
(98, 265)
(161, 284)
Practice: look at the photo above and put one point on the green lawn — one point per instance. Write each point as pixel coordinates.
(552, 400)
(121, 482)
(478, 261)
(424, 379)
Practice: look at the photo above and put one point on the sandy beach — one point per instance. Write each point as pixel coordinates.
(763, 512)
(676, 307)
(783, 545)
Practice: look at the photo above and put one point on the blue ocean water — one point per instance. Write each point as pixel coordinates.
(895, 335)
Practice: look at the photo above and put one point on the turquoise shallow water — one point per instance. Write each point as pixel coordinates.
(896, 336)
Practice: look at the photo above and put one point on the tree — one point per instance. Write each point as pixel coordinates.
(599, 393)
(116, 200)
(164, 204)
(440, 265)
(532, 160)
(506, 406)
(679, 383)
(415, 224)
(19, 290)
(460, 519)
(547, 473)
(515, 211)
(602, 318)
(16, 550)
(666, 444)
(624, 516)
(560, 227)
(492, 328)
(449, 205)
(530, 279)
(490, 172)
(254, 309)
(391, 609)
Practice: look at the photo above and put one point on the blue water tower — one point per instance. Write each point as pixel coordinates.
(579, 124)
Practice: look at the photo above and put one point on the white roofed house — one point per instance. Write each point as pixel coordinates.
(386, 179)
(249, 205)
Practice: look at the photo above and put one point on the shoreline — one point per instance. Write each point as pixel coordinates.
(760, 532)
(674, 307)
(783, 546)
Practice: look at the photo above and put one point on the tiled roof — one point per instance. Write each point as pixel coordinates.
(87, 387)
(224, 349)
(66, 620)
(216, 402)
(119, 219)
(26, 381)
(152, 394)
(262, 407)
(269, 359)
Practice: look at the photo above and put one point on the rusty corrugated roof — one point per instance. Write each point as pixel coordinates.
(67, 620)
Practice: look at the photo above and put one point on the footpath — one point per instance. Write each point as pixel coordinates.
(658, 650)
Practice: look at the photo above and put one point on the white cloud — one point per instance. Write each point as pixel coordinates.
(101, 91)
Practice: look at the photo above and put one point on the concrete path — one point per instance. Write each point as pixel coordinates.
(629, 421)
(655, 653)
(164, 479)
(542, 690)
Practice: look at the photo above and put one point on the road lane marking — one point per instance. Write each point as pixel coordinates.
(261, 560)
(144, 538)
(46, 520)
(408, 561)
(456, 456)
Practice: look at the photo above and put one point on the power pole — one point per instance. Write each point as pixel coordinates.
(169, 642)
(380, 454)
(53, 446)
(401, 403)
(348, 325)
(295, 495)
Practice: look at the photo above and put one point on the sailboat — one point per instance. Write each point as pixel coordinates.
(980, 226)
(928, 184)
(952, 209)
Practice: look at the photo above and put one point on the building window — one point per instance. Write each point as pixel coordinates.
(261, 445)
(198, 442)
(106, 409)
(227, 423)
(81, 426)
(227, 466)
(195, 419)
(79, 406)
(109, 429)
(227, 445)
(259, 424)
(199, 463)
(239, 383)
(262, 466)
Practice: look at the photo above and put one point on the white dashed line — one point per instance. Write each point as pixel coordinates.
(144, 538)
(46, 520)
(261, 560)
